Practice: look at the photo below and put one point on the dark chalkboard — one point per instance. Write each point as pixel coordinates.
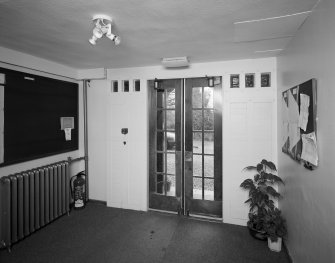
(33, 106)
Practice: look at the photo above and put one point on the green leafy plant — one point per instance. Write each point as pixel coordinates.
(274, 225)
(261, 192)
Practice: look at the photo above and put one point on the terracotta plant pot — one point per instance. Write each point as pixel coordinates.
(275, 245)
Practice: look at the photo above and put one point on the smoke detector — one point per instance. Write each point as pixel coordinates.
(175, 62)
(103, 27)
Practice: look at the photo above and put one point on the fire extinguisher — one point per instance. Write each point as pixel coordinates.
(78, 190)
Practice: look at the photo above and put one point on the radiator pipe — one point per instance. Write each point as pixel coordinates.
(86, 83)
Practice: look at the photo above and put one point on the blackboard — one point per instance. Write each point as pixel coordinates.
(33, 106)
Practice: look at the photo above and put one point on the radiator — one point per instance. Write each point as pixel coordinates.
(32, 199)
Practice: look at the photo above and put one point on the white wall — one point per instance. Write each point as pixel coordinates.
(25, 60)
(309, 196)
(119, 173)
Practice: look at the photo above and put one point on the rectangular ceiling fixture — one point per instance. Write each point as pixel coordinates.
(175, 62)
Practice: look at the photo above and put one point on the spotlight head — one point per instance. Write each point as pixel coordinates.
(116, 39)
(93, 40)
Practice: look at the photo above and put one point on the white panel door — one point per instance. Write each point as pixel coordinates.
(249, 136)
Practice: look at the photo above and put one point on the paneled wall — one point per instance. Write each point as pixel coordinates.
(119, 172)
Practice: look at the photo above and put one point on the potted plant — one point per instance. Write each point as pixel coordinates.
(261, 195)
(275, 227)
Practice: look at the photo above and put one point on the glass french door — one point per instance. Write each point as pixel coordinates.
(186, 147)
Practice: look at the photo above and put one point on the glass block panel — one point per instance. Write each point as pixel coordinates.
(170, 120)
(160, 141)
(160, 163)
(209, 142)
(170, 141)
(137, 85)
(171, 163)
(209, 189)
(170, 98)
(160, 119)
(171, 185)
(126, 86)
(197, 188)
(160, 184)
(209, 120)
(209, 166)
(208, 97)
(115, 85)
(160, 99)
(197, 120)
(197, 165)
(197, 97)
(197, 142)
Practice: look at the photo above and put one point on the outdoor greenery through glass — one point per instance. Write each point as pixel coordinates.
(203, 142)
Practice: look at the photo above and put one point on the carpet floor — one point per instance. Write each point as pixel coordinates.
(101, 234)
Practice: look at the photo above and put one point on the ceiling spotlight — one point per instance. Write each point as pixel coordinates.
(103, 26)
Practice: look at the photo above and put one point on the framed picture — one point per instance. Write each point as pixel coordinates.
(250, 80)
(235, 81)
(266, 79)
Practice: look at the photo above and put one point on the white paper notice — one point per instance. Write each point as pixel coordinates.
(285, 117)
(294, 130)
(309, 148)
(304, 105)
(2, 100)
(67, 134)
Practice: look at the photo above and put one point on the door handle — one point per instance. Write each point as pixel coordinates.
(188, 156)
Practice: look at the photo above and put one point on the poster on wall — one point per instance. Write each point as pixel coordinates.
(299, 123)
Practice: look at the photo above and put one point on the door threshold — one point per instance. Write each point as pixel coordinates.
(207, 218)
(163, 211)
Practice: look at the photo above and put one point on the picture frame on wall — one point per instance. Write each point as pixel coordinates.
(250, 80)
(266, 79)
(234, 81)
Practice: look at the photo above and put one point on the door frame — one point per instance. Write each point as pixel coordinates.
(181, 198)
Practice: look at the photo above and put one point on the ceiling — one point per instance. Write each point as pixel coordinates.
(204, 31)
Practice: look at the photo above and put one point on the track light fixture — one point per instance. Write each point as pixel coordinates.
(103, 26)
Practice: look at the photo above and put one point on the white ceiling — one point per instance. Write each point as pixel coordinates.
(205, 31)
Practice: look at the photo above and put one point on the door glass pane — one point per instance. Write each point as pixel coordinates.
(197, 165)
(209, 189)
(160, 141)
(209, 166)
(170, 120)
(197, 188)
(160, 162)
(160, 184)
(171, 163)
(208, 97)
(197, 120)
(171, 96)
(171, 185)
(160, 119)
(209, 120)
(197, 97)
(209, 142)
(171, 141)
(197, 142)
(160, 99)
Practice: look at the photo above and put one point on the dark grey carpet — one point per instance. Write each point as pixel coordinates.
(101, 234)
